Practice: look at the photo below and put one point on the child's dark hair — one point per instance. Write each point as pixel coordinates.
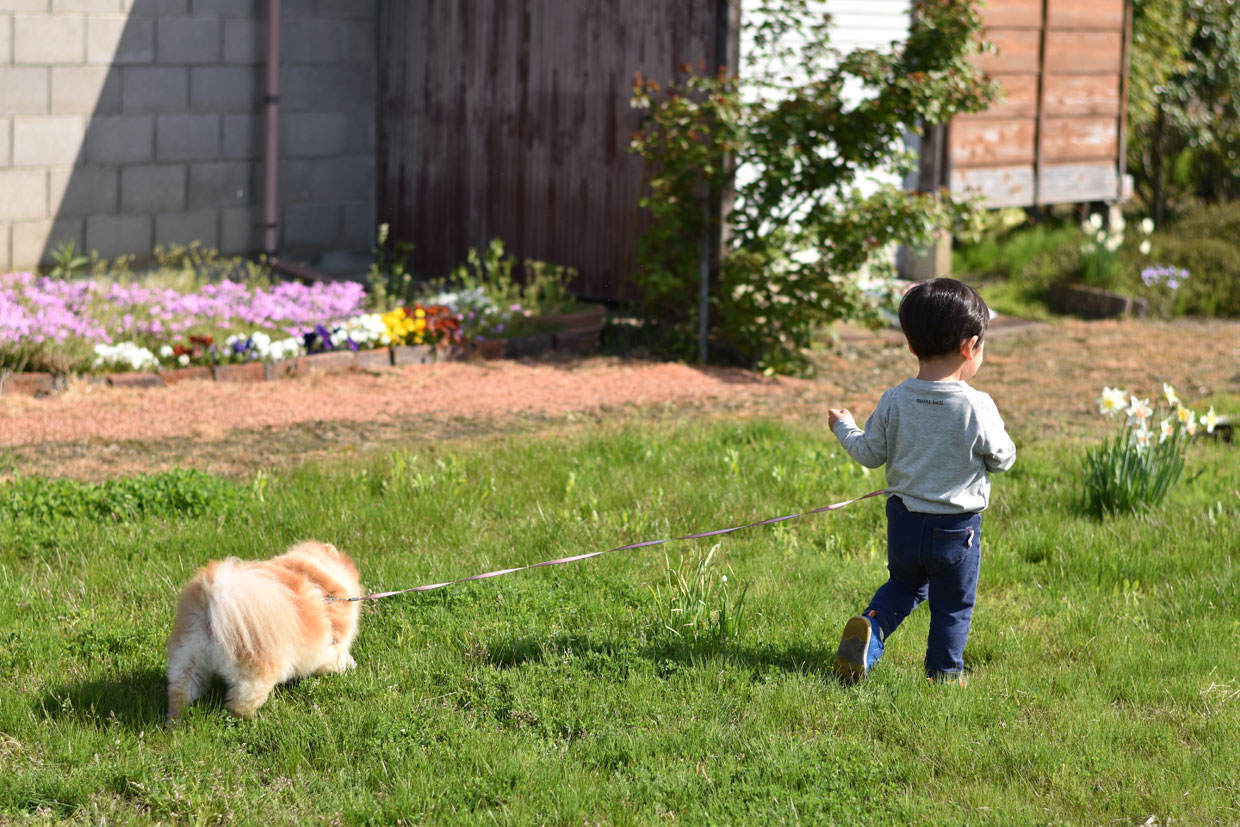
(939, 314)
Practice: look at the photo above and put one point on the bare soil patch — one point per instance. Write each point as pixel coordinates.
(1043, 378)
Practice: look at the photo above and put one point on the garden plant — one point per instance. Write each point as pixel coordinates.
(789, 147)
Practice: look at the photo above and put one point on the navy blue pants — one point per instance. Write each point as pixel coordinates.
(932, 557)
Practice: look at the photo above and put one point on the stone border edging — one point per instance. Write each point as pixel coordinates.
(578, 341)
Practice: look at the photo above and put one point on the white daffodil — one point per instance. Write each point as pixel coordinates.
(1145, 247)
(1185, 415)
(1191, 428)
(1095, 221)
(1113, 242)
(1139, 412)
(1112, 401)
(1172, 399)
(1141, 438)
(1211, 420)
(1147, 225)
(1166, 430)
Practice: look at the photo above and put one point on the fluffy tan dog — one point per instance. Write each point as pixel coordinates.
(260, 623)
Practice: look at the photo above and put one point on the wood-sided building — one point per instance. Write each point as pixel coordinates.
(510, 118)
(1058, 134)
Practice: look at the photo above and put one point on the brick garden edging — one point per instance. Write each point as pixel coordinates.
(578, 341)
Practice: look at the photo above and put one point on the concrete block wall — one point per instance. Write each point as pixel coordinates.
(130, 123)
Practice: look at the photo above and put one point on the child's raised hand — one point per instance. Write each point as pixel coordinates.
(834, 415)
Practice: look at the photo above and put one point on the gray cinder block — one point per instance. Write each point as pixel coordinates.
(154, 90)
(47, 140)
(152, 188)
(236, 89)
(187, 227)
(187, 137)
(114, 235)
(84, 190)
(120, 40)
(120, 139)
(85, 90)
(221, 184)
(187, 39)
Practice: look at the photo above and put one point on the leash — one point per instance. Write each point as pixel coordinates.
(574, 559)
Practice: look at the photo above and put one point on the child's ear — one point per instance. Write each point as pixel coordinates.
(969, 347)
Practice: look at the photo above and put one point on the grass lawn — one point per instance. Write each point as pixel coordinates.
(1105, 686)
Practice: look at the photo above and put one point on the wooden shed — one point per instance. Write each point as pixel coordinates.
(510, 119)
(1058, 134)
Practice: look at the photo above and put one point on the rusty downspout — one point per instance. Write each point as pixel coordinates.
(271, 155)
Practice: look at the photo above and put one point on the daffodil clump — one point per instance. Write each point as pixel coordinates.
(1141, 463)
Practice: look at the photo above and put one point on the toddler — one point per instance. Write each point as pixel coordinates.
(939, 439)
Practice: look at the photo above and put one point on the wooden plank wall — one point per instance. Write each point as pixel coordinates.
(1057, 135)
(510, 119)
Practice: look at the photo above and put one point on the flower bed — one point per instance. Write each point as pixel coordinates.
(229, 331)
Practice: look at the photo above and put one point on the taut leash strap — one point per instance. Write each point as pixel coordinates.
(574, 559)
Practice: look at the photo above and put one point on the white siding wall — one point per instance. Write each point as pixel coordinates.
(855, 24)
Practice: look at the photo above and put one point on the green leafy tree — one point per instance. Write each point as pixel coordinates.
(788, 149)
(1184, 102)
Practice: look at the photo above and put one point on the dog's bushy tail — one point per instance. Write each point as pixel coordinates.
(244, 618)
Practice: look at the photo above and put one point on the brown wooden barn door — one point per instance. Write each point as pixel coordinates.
(510, 119)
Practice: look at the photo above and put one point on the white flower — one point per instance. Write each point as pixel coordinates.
(1145, 247)
(1185, 416)
(125, 354)
(1113, 242)
(1095, 221)
(1139, 411)
(1169, 393)
(183, 360)
(1210, 419)
(1141, 438)
(1112, 401)
(278, 351)
(723, 578)
(1147, 225)
(1166, 431)
(1191, 428)
(165, 351)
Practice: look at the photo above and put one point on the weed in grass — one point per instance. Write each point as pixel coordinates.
(698, 604)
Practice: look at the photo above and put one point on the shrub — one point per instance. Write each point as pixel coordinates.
(794, 153)
(1206, 243)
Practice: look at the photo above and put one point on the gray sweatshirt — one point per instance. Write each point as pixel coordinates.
(938, 439)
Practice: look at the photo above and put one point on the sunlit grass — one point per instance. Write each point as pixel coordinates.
(1105, 686)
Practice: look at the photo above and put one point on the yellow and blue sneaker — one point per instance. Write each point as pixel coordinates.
(861, 646)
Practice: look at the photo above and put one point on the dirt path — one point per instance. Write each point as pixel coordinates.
(1044, 379)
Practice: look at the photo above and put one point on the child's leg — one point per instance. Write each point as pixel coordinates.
(953, 559)
(906, 586)
(861, 644)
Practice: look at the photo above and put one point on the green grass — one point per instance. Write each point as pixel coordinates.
(1105, 686)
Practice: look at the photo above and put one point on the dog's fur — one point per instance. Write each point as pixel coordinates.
(260, 623)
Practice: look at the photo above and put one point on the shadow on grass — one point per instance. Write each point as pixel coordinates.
(800, 660)
(137, 701)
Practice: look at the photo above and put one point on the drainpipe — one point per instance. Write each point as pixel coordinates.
(271, 155)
